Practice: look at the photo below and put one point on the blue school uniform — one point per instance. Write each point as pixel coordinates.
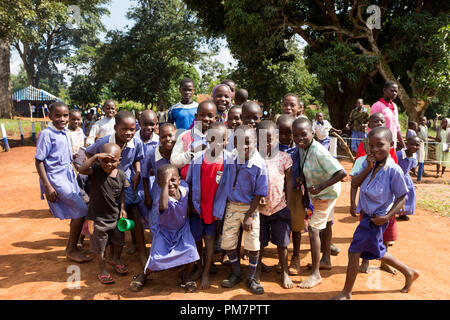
(193, 178)
(153, 161)
(173, 244)
(132, 153)
(290, 150)
(147, 147)
(407, 164)
(54, 149)
(247, 180)
(376, 198)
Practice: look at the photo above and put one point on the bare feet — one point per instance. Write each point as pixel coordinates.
(204, 284)
(78, 256)
(294, 268)
(410, 278)
(364, 268)
(312, 281)
(388, 269)
(343, 296)
(286, 281)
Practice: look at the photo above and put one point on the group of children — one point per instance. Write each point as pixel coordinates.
(228, 175)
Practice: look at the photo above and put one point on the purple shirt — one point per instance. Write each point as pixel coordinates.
(378, 196)
(250, 179)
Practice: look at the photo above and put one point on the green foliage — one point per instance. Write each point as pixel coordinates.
(83, 90)
(19, 81)
(147, 62)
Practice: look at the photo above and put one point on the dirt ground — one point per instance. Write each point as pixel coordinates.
(33, 264)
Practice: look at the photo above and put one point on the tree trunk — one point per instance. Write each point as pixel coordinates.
(341, 101)
(5, 80)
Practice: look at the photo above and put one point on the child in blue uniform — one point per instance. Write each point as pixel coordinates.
(57, 178)
(407, 159)
(382, 195)
(250, 182)
(173, 244)
(284, 123)
(207, 179)
(132, 154)
(183, 113)
(156, 158)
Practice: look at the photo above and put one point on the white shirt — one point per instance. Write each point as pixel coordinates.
(321, 130)
(100, 129)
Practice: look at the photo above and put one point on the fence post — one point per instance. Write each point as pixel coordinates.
(33, 131)
(5, 139)
(21, 133)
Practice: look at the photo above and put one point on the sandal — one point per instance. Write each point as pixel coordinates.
(136, 285)
(108, 279)
(120, 268)
(190, 286)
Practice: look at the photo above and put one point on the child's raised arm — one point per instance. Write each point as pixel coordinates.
(86, 166)
(50, 193)
(358, 179)
(164, 196)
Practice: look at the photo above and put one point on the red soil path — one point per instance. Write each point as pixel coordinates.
(33, 264)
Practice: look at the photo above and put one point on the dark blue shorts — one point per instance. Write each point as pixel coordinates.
(199, 228)
(276, 228)
(368, 239)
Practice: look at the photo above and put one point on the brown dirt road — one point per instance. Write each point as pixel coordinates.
(33, 264)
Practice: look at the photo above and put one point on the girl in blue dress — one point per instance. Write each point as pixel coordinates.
(53, 160)
(173, 244)
(407, 159)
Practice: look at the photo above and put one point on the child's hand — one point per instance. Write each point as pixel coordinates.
(101, 156)
(315, 189)
(50, 193)
(353, 210)
(248, 222)
(371, 160)
(136, 179)
(197, 148)
(339, 131)
(123, 214)
(379, 220)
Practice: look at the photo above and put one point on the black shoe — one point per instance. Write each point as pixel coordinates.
(232, 280)
(334, 250)
(403, 217)
(254, 286)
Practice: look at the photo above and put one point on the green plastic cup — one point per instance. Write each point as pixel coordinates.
(125, 224)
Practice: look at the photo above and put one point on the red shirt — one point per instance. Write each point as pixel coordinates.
(209, 180)
(361, 152)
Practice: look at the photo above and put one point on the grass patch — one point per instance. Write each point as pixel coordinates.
(12, 127)
(438, 206)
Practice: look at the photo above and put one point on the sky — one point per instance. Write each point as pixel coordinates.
(117, 20)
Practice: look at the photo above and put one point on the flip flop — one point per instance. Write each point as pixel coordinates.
(108, 279)
(120, 268)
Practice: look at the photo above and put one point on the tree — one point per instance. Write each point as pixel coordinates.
(344, 50)
(83, 90)
(51, 36)
(162, 47)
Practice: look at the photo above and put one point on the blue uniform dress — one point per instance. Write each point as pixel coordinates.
(55, 150)
(406, 164)
(147, 147)
(173, 244)
(133, 152)
(376, 198)
(153, 161)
